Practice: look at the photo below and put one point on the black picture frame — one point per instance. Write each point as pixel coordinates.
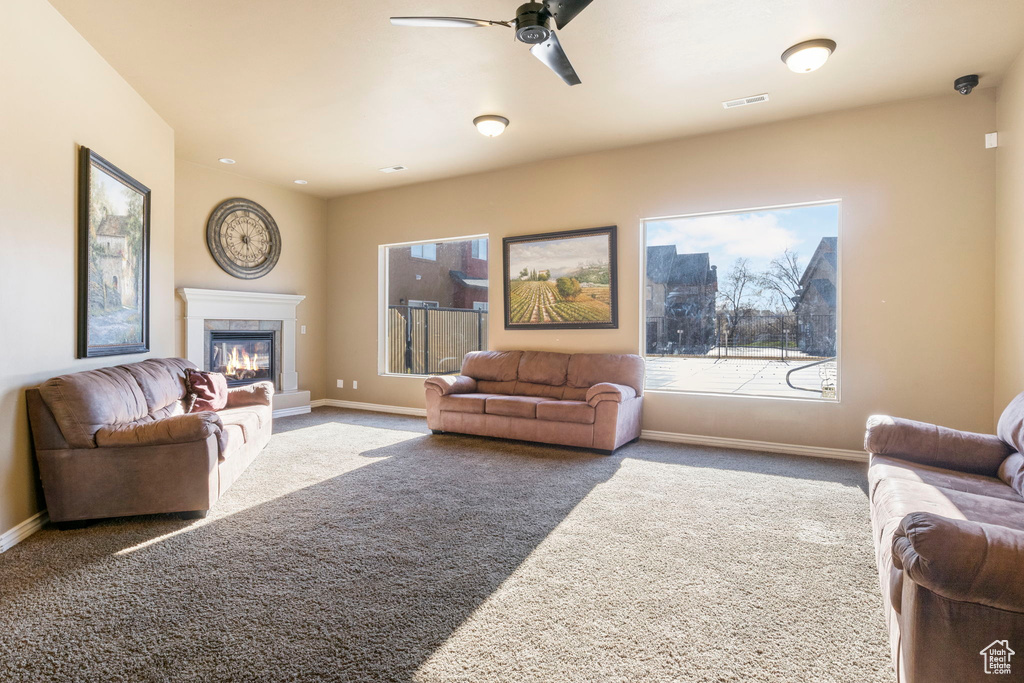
(113, 260)
(559, 313)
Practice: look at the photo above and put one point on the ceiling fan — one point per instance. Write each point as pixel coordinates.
(532, 25)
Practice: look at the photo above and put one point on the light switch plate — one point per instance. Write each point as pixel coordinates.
(991, 140)
(302, 329)
(355, 384)
(341, 384)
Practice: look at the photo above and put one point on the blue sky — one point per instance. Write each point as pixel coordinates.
(758, 236)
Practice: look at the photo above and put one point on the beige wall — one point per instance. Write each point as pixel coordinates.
(1009, 253)
(301, 269)
(917, 240)
(57, 94)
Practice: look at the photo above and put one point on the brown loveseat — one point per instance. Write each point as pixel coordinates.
(590, 400)
(117, 441)
(947, 510)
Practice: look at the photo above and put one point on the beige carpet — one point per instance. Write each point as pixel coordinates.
(360, 548)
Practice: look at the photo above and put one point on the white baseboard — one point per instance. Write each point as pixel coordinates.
(374, 407)
(297, 410)
(12, 537)
(747, 445)
(673, 437)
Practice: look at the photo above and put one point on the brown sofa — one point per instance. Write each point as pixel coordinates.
(947, 510)
(589, 400)
(117, 441)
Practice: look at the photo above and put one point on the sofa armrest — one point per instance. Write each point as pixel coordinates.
(606, 391)
(962, 560)
(930, 444)
(255, 394)
(451, 384)
(169, 430)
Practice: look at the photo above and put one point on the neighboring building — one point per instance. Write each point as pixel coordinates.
(441, 275)
(680, 292)
(814, 303)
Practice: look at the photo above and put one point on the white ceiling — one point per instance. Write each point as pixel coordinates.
(329, 91)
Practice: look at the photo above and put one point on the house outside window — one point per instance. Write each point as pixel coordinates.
(744, 303)
(434, 309)
(480, 249)
(424, 251)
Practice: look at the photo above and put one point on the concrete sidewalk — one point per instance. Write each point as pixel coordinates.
(749, 376)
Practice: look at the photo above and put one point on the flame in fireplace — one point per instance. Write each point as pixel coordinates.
(241, 364)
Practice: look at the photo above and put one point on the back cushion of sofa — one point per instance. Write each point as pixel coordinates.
(84, 402)
(588, 369)
(162, 381)
(543, 367)
(484, 386)
(493, 366)
(1011, 424)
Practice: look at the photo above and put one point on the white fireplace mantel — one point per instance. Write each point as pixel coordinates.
(218, 304)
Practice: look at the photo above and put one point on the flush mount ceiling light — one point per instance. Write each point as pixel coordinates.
(300, 182)
(225, 160)
(809, 55)
(490, 125)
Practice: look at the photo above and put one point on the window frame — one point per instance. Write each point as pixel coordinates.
(382, 298)
(642, 350)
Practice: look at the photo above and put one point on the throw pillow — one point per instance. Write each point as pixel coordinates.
(209, 388)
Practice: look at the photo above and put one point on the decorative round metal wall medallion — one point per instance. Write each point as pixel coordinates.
(243, 238)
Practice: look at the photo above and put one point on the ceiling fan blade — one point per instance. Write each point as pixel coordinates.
(445, 22)
(551, 53)
(565, 11)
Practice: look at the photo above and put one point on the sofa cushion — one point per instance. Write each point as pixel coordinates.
(496, 366)
(1012, 472)
(489, 387)
(464, 403)
(84, 402)
(514, 406)
(896, 498)
(543, 367)
(566, 411)
(886, 467)
(546, 390)
(1011, 423)
(588, 369)
(250, 418)
(209, 388)
(234, 439)
(162, 381)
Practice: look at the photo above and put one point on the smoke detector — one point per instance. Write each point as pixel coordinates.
(744, 101)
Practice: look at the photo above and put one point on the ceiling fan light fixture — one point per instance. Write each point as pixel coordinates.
(809, 55)
(490, 125)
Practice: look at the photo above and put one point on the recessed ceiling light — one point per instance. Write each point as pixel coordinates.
(300, 182)
(393, 169)
(809, 55)
(490, 125)
(225, 160)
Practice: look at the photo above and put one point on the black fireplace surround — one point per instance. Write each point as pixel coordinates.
(243, 356)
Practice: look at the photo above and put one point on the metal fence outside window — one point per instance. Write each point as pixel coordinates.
(432, 341)
(773, 337)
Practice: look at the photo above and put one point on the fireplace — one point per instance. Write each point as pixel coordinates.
(243, 356)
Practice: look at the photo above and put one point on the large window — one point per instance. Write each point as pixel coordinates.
(434, 305)
(744, 302)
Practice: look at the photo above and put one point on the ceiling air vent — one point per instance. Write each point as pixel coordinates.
(393, 169)
(744, 101)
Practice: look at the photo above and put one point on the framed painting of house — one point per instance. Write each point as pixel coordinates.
(113, 259)
(561, 280)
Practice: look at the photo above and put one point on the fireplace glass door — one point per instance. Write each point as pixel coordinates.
(243, 357)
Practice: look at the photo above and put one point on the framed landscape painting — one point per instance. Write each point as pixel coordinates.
(561, 280)
(113, 259)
